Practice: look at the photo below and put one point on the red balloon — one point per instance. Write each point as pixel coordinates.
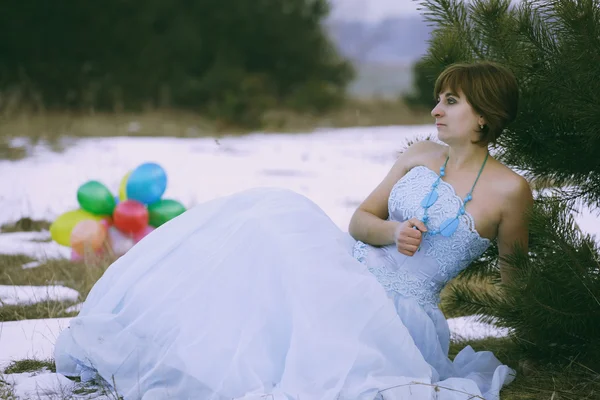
(131, 217)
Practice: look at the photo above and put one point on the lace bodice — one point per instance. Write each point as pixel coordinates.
(440, 258)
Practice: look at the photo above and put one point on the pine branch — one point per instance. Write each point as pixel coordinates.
(443, 13)
(451, 16)
(471, 297)
(446, 48)
(536, 33)
(555, 137)
(494, 25)
(554, 297)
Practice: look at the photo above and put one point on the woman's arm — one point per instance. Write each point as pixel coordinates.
(513, 230)
(369, 222)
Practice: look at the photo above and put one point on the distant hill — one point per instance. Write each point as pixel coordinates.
(383, 52)
(394, 40)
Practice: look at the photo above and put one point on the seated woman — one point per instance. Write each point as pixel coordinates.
(259, 295)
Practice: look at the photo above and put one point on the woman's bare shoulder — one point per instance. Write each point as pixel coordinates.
(514, 186)
(423, 152)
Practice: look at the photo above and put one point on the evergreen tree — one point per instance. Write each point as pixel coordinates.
(232, 59)
(552, 308)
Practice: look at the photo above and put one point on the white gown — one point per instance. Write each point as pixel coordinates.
(260, 293)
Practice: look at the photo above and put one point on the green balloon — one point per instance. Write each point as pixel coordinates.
(164, 210)
(94, 197)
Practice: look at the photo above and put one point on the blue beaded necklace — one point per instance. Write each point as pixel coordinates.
(447, 227)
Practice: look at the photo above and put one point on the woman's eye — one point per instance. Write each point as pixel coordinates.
(451, 100)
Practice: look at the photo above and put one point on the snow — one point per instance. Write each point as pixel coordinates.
(336, 169)
(468, 328)
(41, 385)
(34, 244)
(29, 339)
(29, 265)
(17, 294)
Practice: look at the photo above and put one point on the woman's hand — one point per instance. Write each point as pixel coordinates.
(408, 236)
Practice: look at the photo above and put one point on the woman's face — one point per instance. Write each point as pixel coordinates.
(455, 119)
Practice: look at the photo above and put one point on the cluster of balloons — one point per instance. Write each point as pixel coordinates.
(116, 223)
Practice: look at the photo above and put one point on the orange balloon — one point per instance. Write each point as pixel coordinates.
(87, 235)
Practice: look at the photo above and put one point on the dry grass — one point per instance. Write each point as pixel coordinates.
(30, 365)
(538, 382)
(356, 113)
(26, 225)
(6, 392)
(80, 276)
(55, 128)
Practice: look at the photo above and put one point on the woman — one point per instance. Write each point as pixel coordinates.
(261, 294)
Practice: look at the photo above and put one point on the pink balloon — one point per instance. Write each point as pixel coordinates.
(106, 222)
(140, 235)
(119, 242)
(75, 257)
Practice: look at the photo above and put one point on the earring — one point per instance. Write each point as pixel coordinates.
(481, 127)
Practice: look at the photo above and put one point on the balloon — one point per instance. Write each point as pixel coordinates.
(123, 187)
(75, 257)
(131, 217)
(106, 222)
(140, 235)
(94, 197)
(61, 228)
(147, 183)
(88, 235)
(119, 242)
(163, 211)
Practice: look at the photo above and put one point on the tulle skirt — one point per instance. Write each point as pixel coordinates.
(257, 294)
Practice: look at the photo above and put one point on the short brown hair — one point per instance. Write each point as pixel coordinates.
(491, 89)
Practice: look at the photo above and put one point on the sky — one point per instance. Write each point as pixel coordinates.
(375, 10)
(372, 10)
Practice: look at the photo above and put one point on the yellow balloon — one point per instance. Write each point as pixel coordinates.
(123, 187)
(61, 228)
